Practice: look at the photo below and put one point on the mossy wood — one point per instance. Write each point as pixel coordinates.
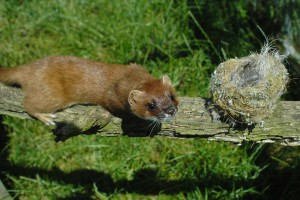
(192, 121)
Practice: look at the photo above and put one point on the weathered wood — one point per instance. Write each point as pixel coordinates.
(4, 195)
(192, 121)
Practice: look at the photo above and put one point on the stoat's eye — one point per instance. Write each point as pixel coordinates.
(151, 106)
(172, 97)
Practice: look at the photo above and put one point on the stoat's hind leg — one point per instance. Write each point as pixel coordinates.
(41, 107)
(38, 112)
(47, 118)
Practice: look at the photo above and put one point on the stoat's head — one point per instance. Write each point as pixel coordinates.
(155, 100)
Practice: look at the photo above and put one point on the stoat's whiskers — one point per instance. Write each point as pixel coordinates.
(155, 124)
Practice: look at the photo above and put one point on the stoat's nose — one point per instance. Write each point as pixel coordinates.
(171, 110)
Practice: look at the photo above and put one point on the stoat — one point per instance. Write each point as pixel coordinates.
(56, 82)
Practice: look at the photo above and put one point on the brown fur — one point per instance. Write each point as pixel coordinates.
(54, 83)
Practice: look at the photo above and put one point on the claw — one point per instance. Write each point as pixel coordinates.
(47, 118)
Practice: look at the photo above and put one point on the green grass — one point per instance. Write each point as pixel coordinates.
(165, 37)
(118, 167)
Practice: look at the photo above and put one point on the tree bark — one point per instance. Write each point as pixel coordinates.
(193, 120)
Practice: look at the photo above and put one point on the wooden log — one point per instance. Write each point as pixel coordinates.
(192, 121)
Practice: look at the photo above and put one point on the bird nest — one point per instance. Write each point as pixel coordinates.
(246, 90)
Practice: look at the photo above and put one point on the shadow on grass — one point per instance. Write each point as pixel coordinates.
(144, 182)
(281, 178)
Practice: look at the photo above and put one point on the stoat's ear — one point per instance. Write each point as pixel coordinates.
(134, 96)
(166, 80)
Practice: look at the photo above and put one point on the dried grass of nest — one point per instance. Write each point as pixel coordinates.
(246, 90)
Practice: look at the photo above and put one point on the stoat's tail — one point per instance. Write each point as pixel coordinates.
(10, 76)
